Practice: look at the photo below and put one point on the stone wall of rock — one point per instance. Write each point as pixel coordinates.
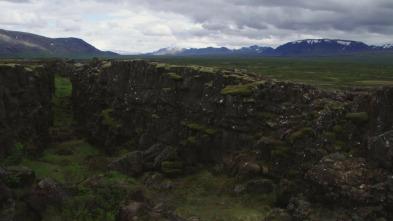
(175, 118)
(205, 113)
(26, 90)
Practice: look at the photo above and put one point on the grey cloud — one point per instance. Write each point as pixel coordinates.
(222, 22)
(16, 1)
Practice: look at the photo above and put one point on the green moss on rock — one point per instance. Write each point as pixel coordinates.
(357, 116)
(301, 133)
(240, 89)
(190, 141)
(265, 115)
(196, 127)
(175, 76)
(281, 152)
(337, 129)
(172, 168)
(249, 101)
(330, 135)
(108, 119)
(199, 127)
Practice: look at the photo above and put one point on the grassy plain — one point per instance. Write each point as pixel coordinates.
(372, 70)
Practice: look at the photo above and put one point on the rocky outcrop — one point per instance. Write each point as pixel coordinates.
(249, 126)
(26, 90)
(48, 192)
(7, 198)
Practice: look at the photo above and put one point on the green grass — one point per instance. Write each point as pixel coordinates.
(207, 196)
(56, 165)
(368, 70)
(61, 104)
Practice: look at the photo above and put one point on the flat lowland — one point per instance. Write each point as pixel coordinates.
(369, 71)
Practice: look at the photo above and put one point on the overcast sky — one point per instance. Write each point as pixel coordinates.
(148, 25)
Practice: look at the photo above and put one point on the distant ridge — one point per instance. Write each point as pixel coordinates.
(306, 47)
(22, 44)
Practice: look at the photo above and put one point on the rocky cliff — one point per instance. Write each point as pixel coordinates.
(25, 106)
(321, 150)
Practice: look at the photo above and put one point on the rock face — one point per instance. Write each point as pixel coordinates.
(7, 198)
(248, 125)
(25, 106)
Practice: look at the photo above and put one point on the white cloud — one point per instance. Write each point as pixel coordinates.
(143, 26)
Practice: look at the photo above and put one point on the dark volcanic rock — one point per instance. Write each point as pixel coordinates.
(130, 164)
(246, 125)
(131, 211)
(381, 148)
(7, 198)
(344, 182)
(48, 192)
(25, 106)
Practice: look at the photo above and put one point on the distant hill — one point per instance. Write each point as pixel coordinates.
(22, 44)
(307, 47)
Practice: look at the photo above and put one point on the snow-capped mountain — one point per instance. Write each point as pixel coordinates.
(384, 47)
(211, 51)
(168, 51)
(321, 46)
(312, 47)
(387, 46)
(254, 50)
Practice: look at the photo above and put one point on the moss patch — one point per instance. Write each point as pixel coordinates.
(199, 127)
(240, 89)
(208, 197)
(155, 116)
(175, 76)
(337, 129)
(172, 168)
(190, 141)
(301, 133)
(108, 119)
(58, 165)
(357, 116)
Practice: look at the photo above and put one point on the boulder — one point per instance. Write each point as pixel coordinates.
(347, 182)
(152, 152)
(130, 164)
(381, 149)
(166, 155)
(131, 211)
(7, 201)
(48, 192)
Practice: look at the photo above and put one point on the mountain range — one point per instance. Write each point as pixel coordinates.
(316, 47)
(22, 44)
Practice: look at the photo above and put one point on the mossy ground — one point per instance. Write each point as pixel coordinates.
(63, 121)
(210, 197)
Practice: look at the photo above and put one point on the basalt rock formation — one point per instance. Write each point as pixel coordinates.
(318, 148)
(26, 89)
(25, 106)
